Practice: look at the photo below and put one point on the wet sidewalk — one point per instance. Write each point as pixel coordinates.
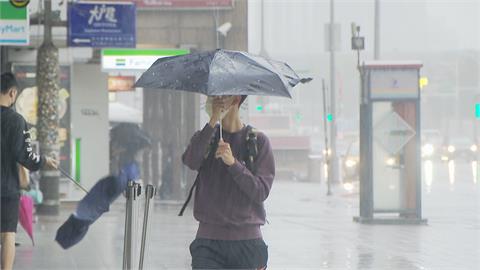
(307, 230)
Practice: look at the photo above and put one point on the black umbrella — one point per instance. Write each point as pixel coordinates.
(221, 72)
(129, 136)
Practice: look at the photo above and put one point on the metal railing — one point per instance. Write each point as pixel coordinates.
(132, 218)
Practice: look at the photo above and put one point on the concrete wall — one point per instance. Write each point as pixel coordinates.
(172, 28)
(194, 30)
(90, 120)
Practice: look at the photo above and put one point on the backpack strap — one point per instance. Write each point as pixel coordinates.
(251, 153)
(212, 148)
(250, 156)
(190, 193)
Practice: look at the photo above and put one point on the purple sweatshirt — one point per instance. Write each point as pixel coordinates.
(229, 200)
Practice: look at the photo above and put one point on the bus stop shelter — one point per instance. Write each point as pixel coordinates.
(390, 158)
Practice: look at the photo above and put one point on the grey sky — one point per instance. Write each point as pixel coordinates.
(421, 25)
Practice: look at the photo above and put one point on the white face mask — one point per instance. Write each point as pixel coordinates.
(208, 108)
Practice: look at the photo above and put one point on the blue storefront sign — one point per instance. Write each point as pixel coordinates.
(101, 25)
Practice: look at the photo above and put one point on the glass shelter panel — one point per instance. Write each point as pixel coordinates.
(394, 141)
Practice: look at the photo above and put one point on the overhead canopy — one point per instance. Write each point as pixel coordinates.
(119, 112)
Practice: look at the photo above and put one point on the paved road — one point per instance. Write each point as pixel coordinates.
(307, 230)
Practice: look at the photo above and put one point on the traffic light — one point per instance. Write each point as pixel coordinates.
(260, 104)
(423, 82)
(329, 117)
(477, 110)
(298, 117)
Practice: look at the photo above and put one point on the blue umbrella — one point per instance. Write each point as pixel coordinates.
(94, 204)
(71, 232)
(106, 190)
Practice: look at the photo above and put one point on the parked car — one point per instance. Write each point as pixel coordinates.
(351, 162)
(431, 144)
(460, 148)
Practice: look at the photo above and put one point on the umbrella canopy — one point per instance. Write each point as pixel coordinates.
(72, 232)
(98, 200)
(130, 136)
(118, 112)
(25, 215)
(221, 72)
(94, 204)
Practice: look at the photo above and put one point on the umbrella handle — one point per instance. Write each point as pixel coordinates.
(221, 130)
(73, 180)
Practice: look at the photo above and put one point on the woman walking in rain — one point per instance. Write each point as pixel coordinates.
(235, 174)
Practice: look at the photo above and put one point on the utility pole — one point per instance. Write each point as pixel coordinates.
(333, 164)
(377, 30)
(325, 134)
(263, 50)
(48, 121)
(3, 59)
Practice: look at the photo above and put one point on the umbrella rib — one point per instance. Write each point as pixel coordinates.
(210, 68)
(73, 180)
(277, 73)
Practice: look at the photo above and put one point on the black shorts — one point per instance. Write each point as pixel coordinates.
(225, 254)
(9, 208)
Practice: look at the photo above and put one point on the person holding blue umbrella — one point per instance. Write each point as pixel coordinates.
(16, 149)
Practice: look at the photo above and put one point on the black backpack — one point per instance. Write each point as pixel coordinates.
(249, 157)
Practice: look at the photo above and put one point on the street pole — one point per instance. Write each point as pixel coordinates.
(48, 121)
(325, 134)
(3, 59)
(263, 50)
(216, 24)
(377, 30)
(333, 164)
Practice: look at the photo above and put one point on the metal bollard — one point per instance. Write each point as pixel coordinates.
(149, 194)
(133, 191)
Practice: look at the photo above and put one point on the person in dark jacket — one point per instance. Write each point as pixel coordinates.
(16, 149)
(229, 196)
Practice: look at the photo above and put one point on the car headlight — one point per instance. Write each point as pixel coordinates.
(350, 163)
(428, 150)
(451, 148)
(390, 161)
(348, 186)
(474, 148)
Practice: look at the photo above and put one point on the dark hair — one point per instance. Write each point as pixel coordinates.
(242, 100)
(8, 81)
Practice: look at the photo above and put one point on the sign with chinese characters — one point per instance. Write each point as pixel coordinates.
(120, 83)
(14, 24)
(182, 4)
(101, 24)
(135, 59)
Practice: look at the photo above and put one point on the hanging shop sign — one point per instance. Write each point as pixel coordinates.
(121, 83)
(135, 59)
(102, 24)
(14, 23)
